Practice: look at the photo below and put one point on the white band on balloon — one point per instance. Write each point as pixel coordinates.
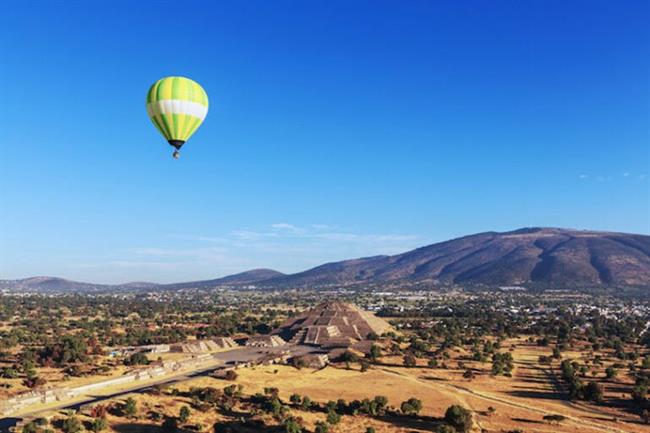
(177, 106)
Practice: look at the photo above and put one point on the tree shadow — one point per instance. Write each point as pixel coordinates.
(427, 423)
(545, 395)
(433, 378)
(253, 426)
(6, 423)
(527, 421)
(146, 428)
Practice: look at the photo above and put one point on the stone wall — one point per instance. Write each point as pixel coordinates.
(58, 394)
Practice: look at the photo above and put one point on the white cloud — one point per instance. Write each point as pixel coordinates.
(626, 174)
(584, 176)
(283, 246)
(285, 226)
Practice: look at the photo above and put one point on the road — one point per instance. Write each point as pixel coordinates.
(221, 360)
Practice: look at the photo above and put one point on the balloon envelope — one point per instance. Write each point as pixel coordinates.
(177, 107)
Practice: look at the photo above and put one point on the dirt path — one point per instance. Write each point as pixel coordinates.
(581, 423)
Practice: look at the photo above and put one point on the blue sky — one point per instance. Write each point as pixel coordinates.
(336, 129)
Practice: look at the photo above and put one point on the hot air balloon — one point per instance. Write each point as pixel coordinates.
(177, 107)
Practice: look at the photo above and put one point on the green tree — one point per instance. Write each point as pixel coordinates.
(130, 407)
(99, 424)
(375, 353)
(593, 392)
(306, 403)
(412, 406)
(72, 425)
(459, 418)
(333, 418)
(184, 414)
(138, 358)
(292, 426)
(9, 373)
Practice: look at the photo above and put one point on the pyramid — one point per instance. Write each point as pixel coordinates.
(332, 324)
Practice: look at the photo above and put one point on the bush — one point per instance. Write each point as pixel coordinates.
(333, 418)
(71, 425)
(445, 428)
(459, 418)
(321, 427)
(306, 403)
(375, 353)
(137, 359)
(292, 426)
(9, 373)
(295, 399)
(130, 407)
(593, 392)
(99, 424)
(412, 406)
(184, 414)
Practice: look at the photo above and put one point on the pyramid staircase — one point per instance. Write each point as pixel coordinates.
(299, 337)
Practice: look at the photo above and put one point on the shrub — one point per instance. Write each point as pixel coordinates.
(71, 425)
(412, 406)
(99, 424)
(295, 399)
(333, 418)
(130, 407)
(184, 414)
(292, 426)
(459, 418)
(137, 359)
(445, 428)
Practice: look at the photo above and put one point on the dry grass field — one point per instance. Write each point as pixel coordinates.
(498, 403)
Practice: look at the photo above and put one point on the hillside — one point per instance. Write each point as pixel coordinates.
(53, 284)
(50, 284)
(243, 278)
(548, 256)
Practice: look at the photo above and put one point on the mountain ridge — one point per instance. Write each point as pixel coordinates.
(532, 255)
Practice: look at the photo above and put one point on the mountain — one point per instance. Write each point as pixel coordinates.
(550, 257)
(545, 256)
(243, 278)
(53, 284)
